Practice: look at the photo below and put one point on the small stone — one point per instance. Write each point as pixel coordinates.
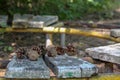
(116, 68)
(115, 33)
(101, 67)
(13, 44)
(89, 59)
(81, 54)
(12, 55)
(3, 64)
(108, 67)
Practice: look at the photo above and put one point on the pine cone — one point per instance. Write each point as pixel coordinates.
(60, 50)
(20, 53)
(43, 49)
(51, 51)
(71, 50)
(38, 49)
(32, 55)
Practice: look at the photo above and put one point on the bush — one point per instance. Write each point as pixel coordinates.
(65, 9)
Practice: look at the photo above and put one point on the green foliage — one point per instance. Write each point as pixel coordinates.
(65, 9)
(8, 48)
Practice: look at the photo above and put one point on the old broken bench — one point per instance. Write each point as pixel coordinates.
(37, 69)
(109, 53)
(44, 29)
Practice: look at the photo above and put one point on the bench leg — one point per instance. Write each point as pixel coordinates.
(48, 39)
(63, 39)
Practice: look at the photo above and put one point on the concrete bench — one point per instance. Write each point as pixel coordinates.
(24, 68)
(110, 53)
(68, 67)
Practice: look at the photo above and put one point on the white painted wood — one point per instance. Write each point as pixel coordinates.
(48, 40)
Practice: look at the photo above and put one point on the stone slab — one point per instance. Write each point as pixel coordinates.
(25, 68)
(68, 67)
(115, 32)
(110, 53)
(41, 21)
(29, 20)
(3, 20)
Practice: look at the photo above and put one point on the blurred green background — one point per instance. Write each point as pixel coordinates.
(65, 9)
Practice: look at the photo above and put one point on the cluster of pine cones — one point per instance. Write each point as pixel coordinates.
(35, 52)
(53, 51)
(32, 54)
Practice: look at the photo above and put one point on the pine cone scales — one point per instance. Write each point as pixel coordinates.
(71, 50)
(32, 53)
(20, 53)
(53, 51)
(35, 52)
(60, 50)
(38, 49)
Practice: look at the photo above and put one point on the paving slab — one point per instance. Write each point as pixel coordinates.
(24, 68)
(29, 20)
(41, 21)
(115, 32)
(69, 67)
(110, 53)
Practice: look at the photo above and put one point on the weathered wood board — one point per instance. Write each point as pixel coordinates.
(68, 67)
(25, 68)
(28, 20)
(110, 53)
(115, 32)
(3, 20)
